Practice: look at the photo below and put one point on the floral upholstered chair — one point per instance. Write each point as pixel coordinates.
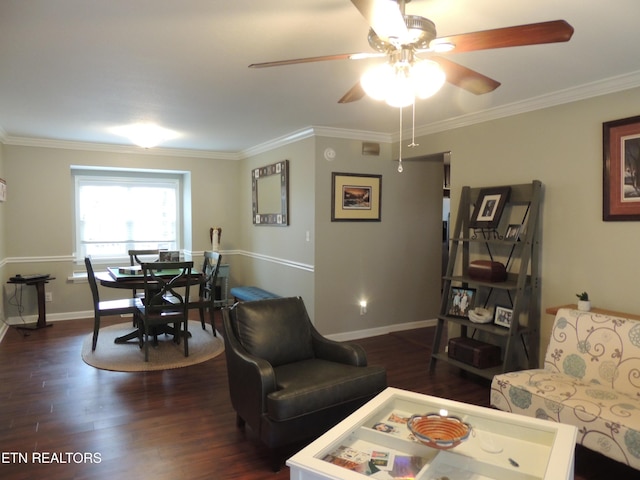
(590, 379)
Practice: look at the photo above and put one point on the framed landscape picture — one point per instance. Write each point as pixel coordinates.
(461, 301)
(621, 170)
(355, 197)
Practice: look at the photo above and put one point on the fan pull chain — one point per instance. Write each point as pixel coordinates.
(400, 168)
(413, 127)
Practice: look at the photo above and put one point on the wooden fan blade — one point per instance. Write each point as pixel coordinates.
(279, 63)
(532, 34)
(341, 56)
(465, 78)
(353, 95)
(384, 16)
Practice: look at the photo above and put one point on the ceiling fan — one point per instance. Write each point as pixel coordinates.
(403, 39)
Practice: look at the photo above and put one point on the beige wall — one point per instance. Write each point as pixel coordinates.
(276, 251)
(39, 214)
(393, 262)
(562, 147)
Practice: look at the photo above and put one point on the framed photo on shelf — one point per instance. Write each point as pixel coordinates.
(503, 316)
(621, 170)
(513, 232)
(461, 301)
(488, 209)
(355, 197)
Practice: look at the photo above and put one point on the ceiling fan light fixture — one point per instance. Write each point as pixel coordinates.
(441, 46)
(377, 81)
(419, 33)
(401, 92)
(427, 78)
(400, 83)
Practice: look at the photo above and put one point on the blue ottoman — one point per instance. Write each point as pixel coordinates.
(250, 294)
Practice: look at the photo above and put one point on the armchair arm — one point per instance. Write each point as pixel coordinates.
(340, 352)
(250, 378)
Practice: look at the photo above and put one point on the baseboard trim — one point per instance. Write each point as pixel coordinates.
(374, 332)
(339, 337)
(4, 328)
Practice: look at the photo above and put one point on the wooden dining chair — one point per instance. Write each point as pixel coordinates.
(134, 256)
(207, 291)
(135, 259)
(107, 307)
(166, 301)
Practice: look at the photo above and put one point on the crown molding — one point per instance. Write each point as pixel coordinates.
(317, 131)
(581, 92)
(359, 135)
(115, 148)
(574, 94)
(293, 137)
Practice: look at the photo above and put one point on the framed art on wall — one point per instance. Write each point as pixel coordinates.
(621, 170)
(355, 197)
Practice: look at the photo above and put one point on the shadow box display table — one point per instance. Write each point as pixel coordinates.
(375, 442)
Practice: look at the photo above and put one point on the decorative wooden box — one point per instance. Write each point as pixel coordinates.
(474, 352)
(487, 270)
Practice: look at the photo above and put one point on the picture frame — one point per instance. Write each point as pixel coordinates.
(503, 316)
(356, 197)
(169, 256)
(461, 301)
(513, 232)
(489, 207)
(621, 170)
(270, 194)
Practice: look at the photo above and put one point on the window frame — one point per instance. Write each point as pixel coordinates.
(124, 177)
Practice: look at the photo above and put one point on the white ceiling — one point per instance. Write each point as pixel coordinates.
(71, 69)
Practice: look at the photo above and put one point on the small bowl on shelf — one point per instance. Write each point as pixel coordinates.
(439, 431)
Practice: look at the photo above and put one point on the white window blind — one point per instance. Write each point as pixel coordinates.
(118, 212)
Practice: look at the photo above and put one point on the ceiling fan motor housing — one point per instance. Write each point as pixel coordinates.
(421, 32)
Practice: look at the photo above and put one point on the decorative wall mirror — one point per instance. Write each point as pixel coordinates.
(270, 192)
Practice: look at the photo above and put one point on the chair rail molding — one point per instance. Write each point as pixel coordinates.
(280, 261)
(49, 258)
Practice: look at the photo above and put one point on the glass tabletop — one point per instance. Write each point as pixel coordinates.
(375, 441)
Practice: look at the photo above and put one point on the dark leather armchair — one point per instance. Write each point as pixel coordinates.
(286, 381)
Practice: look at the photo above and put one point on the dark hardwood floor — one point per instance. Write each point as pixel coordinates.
(175, 423)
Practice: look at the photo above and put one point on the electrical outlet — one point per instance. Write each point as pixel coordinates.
(48, 297)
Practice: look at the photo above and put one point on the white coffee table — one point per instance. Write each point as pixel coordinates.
(501, 445)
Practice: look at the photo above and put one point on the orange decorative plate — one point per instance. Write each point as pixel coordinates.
(437, 431)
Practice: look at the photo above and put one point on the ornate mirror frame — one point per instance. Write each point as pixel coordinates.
(262, 186)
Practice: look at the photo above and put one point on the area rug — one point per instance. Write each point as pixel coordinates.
(129, 357)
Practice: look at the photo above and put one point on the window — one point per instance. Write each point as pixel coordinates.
(116, 211)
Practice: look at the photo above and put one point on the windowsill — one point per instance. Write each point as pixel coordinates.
(78, 277)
